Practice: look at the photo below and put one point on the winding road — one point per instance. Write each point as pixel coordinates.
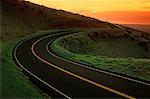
(61, 78)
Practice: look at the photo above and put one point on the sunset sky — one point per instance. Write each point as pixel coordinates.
(115, 11)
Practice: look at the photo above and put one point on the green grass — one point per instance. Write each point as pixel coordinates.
(14, 84)
(138, 68)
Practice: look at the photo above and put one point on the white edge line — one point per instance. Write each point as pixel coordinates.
(34, 74)
(97, 70)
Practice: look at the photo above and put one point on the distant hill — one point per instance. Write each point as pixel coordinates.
(144, 28)
(21, 17)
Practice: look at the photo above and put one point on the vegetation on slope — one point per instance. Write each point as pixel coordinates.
(145, 28)
(111, 43)
(21, 17)
(14, 84)
(119, 52)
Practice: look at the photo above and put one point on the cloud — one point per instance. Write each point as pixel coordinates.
(145, 1)
(146, 8)
(85, 11)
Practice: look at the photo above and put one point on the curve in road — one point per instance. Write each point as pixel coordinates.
(69, 79)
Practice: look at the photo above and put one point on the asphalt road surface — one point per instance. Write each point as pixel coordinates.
(69, 79)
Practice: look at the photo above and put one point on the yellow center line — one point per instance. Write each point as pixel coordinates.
(77, 76)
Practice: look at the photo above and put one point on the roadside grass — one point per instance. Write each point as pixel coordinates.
(138, 68)
(129, 64)
(14, 84)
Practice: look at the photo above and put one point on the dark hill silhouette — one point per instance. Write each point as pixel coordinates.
(20, 17)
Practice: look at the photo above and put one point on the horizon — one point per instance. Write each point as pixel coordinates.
(130, 11)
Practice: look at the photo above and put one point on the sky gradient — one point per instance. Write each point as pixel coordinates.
(115, 11)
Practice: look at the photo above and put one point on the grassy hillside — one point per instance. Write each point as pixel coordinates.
(20, 18)
(118, 51)
(111, 43)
